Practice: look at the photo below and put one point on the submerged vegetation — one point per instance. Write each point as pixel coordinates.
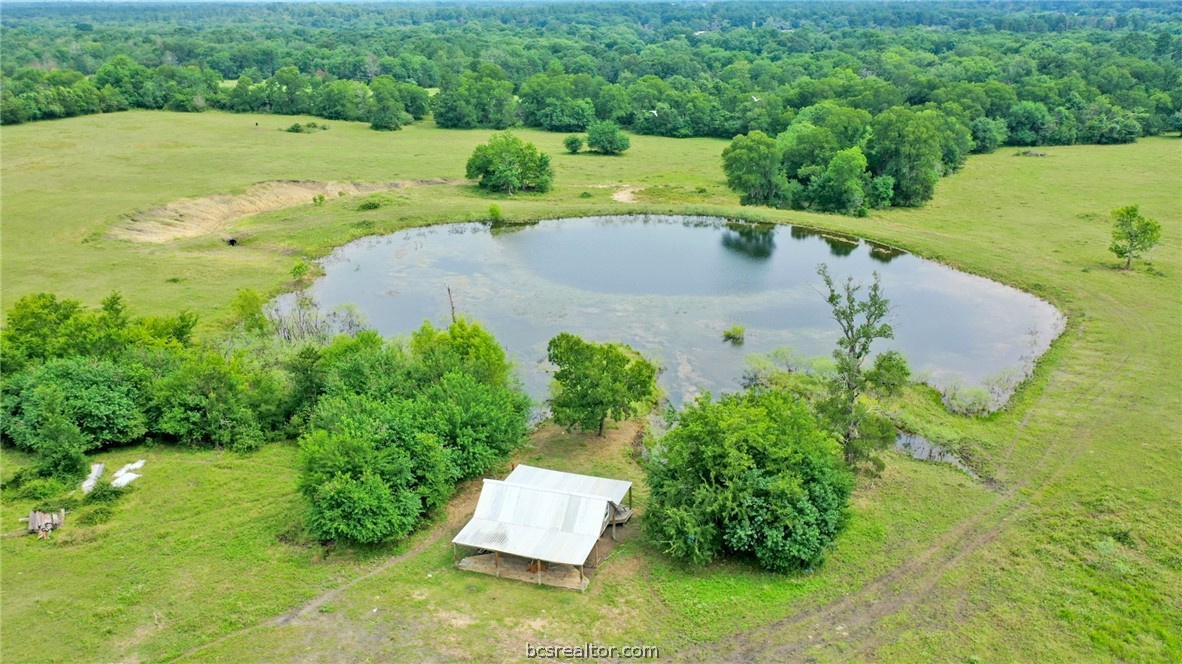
(736, 334)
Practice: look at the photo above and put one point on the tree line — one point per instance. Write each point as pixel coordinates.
(1014, 73)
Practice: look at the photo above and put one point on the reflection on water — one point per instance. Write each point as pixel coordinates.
(668, 286)
(753, 240)
(882, 253)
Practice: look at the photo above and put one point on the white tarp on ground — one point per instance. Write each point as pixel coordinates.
(96, 471)
(130, 467)
(556, 480)
(535, 523)
(124, 479)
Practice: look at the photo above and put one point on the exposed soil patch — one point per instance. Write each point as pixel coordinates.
(625, 195)
(193, 217)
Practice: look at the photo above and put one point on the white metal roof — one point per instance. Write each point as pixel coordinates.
(556, 480)
(535, 523)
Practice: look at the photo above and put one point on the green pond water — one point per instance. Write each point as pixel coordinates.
(669, 286)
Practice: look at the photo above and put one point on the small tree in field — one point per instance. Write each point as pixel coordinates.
(861, 322)
(573, 143)
(507, 163)
(597, 382)
(606, 138)
(1132, 234)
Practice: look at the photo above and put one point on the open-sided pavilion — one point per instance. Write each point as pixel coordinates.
(543, 525)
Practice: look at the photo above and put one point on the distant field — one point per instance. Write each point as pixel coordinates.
(1075, 554)
(67, 184)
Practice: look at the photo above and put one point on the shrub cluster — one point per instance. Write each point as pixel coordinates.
(508, 164)
(386, 428)
(394, 427)
(753, 474)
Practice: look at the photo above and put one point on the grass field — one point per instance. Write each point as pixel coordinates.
(1074, 554)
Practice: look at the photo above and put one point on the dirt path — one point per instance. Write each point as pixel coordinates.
(458, 510)
(193, 217)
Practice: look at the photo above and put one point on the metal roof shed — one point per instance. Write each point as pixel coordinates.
(539, 524)
(544, 478)
(539, 516)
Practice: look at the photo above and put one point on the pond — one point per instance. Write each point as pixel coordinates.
(669, 286)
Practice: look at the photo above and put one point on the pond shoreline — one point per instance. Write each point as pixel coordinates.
(840, 246)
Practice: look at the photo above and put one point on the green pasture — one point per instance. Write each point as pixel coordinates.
(1072, 551)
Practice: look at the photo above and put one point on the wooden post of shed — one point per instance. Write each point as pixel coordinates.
(614, 522)
(497, 562)
(539, 564)
(596, 554)
(581, 588)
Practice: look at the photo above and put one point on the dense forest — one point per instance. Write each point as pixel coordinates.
(826, 93)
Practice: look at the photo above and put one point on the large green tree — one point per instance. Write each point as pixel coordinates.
(596, 382)
(907, 147)
(841, 188)
(753, 474)
(386, 110)
(752, 167)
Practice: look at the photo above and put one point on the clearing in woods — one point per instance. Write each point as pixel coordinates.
(1075, 554)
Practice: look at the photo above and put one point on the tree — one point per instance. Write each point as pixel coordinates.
(507, 163)
(463, 345)
(99, 398)
(753, 474)
(288, 92)
(243, 98)
(386, 111)
(605, 137)
(60, 451)
(342, 100)
(1028, 123)
(861, 322)
(205, 401)
(907, 147)
(573, 143)
(1175, 123)
(752, 164)
(841, 187)
(890, 372)
(595, 382)
(807, 149)
(1132, 234)
(988, 134)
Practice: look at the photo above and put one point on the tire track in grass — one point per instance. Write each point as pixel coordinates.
(458, 510)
